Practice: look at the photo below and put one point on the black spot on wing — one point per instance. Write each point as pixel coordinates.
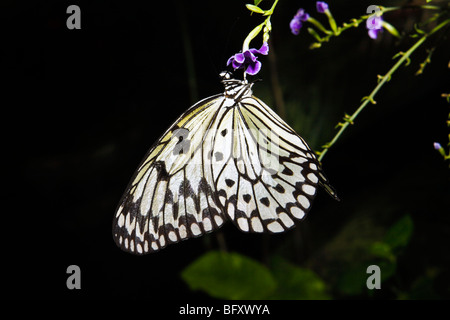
(219, 156)
(279, 188)
(287, 171)
(229, 182)
(265, 201)
(160, 167)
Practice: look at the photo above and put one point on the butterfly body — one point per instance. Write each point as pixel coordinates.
(228, 157)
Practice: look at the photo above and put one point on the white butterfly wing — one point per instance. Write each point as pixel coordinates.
(271, 176)
(228, 156)
(170, 198)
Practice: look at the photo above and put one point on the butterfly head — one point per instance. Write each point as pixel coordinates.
(235, 88)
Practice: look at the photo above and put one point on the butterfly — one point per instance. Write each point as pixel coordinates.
(228, 157)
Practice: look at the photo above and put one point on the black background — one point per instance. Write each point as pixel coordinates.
(81, 108)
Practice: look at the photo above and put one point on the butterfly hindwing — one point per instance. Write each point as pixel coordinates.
(271, 176)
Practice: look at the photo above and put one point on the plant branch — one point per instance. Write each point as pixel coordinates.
(370, 98)
(382, 80)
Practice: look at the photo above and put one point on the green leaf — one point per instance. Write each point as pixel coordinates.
(387, 268)
(353, 280)
(229, 276)
(256, 2)
(399, 234)
(391, 29)
(314, 34)
(382, 250)
(297, 283)
(315, 45)
(254, 8)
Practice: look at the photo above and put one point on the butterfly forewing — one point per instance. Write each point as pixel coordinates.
(170, 197)
(227, 157)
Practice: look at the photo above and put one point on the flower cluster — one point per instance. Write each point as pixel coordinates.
(374, 24)
(297, 22)
(248, 59)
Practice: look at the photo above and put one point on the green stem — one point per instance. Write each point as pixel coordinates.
(370, 98)
(257, 29)
(354, 23)
(273, 8)
(319, 26)
(252, 35)
(332, 22)
(439, 26)
(404, 58)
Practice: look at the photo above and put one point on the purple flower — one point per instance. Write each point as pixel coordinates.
(296, 22)
(248, 59)
(302, 15)
(321, 6)
(295, 26)
(375, 26)
(437, 145)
